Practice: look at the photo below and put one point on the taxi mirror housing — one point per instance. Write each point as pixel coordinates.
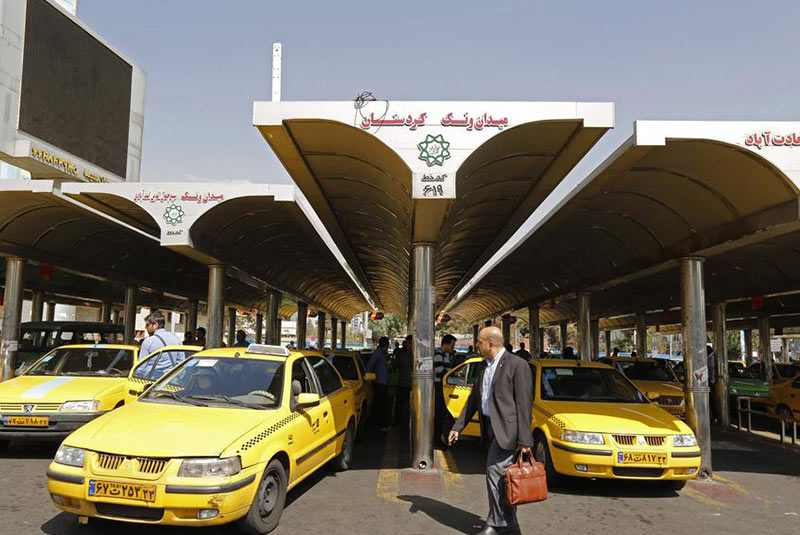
(653, 396)
(370, 376)
(306, 399)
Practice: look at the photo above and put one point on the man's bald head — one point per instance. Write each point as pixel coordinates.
(490, 341)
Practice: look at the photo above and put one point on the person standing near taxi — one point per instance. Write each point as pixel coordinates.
(377, 365)
(503, 394)
(442, 362)
(158, 336)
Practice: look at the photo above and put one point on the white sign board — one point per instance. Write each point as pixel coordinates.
(433, 185)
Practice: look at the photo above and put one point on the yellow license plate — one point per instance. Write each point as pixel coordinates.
(26, 421)
(129, 491)
(675, 410)
(634, 457)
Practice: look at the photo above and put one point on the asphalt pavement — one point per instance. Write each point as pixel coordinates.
(756, 489)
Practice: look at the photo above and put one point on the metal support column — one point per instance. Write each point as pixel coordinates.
(718, 319)
(748, 347)
(641, 336)
(105, 312)
(784, 349)
(321, 330)
(115, 315)
(607, 336)
(475, 329)
(533, 324)
(584, 327)
(37, 306)
(423, 340)
(506, 325)
(216, 302)
(334, 332)
(231, 326)
(129, 315)
(764, 345)
(563, 333)
(12, 316)
(693, 319)
(259, 328)
(344, 334)
(273, 318)
(595, 339)
(191, 317)
(50, 315)
(302, 324)
(540, 337)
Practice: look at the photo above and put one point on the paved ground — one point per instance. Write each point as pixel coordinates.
(757, 490)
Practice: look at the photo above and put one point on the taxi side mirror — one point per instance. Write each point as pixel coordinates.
(370, 376)
(306, 399)
(653, 396)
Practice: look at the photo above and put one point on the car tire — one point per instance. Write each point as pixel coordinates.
(267, 507)
(785, 413)
(541, 452)
(345, 458)
(676, 484)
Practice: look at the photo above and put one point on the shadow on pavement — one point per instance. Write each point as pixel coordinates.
(31, 450)
(445, 514)
(737, 451)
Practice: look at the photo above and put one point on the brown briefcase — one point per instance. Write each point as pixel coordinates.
(526, 481)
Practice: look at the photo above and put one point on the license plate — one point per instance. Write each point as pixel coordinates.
(26, 421)
(633, 457)
(674, 410)
(130, 491)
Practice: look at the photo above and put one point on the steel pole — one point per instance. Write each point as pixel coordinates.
(693, 319)
(475, 329)
(595, 339)
(563, 334)
(105, 312)
(334, 332)
(540, 337)
(37, 306)
(748, 347)
(302, 324)
(115, 315)
(191, 317)
(607, 336)
(718, 319)
(344, 334)
(505, 321)
(422, 329)
(50, 315)
(12, 316)
(259, 328)
(766, 349)
(784, 349)
(273, 319)
(321, 330)
(231, 326)
(584, 327)
(129, 315)
(216, 300)
(641, 336)
(533, 324)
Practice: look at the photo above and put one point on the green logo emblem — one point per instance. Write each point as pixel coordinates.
(173, 215)
(434, 150)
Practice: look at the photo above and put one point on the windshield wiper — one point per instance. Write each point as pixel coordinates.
(226, 399)
(173, 395)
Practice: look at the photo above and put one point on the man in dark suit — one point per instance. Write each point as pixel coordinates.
(504, 395)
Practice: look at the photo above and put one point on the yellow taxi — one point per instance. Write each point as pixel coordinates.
(66, 388)
(220, 438)
(590, 421)
(655, 378)
(349, 366)
(784, 400)
(154, 366)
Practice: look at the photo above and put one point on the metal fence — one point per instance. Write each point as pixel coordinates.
(749, 412)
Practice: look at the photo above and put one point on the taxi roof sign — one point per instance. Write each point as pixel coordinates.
(263, 349)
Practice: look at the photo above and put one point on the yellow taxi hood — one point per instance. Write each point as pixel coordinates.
(662, 388)
(168, 430)
(55, 389)
(616, 418)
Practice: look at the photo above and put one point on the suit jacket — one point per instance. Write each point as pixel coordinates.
(510, 402)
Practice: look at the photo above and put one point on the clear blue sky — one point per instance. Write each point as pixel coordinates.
(207, 61)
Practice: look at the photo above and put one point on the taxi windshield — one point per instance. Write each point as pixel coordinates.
(222, 382)
(655, 370)
(575, 383)
(99, 361)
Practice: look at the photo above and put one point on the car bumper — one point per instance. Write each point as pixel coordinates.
(177, 505)
(60, 425)
(602, 462)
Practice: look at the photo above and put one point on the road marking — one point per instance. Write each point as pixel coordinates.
(452, 478)
(701, 497)
(733, 484)
(389, 474)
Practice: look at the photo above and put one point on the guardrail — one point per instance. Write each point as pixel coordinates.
(749, 411)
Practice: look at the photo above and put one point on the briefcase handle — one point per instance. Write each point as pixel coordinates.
(519, 461)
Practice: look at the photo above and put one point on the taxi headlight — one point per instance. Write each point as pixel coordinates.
(582, 438)
(90, 405)
(70, 456)
(210, 467)
(684, 441)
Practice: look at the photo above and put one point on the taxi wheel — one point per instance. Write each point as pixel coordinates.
(267, 506)
(342, 462)
(676, 484)
(541, 452)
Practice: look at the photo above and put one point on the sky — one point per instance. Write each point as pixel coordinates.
(208, 61)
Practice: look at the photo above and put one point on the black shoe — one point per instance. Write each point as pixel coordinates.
(488, 530)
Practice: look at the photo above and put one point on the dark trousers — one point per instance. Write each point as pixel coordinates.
(379, 405)
(401, 406)
(439, 413)
(501, 515)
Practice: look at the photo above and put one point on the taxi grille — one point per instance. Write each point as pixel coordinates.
(630, 440)
(151, 466)
(37, 407)
(142, 465)
(109, 462)
(672, 401)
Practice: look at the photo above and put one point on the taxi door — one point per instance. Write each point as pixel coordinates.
(309, 433)
(153, 367)
(457, 387)
(340, 401)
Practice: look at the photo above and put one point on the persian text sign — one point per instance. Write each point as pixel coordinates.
(465, 120)
(433, 185)
(770, 139)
